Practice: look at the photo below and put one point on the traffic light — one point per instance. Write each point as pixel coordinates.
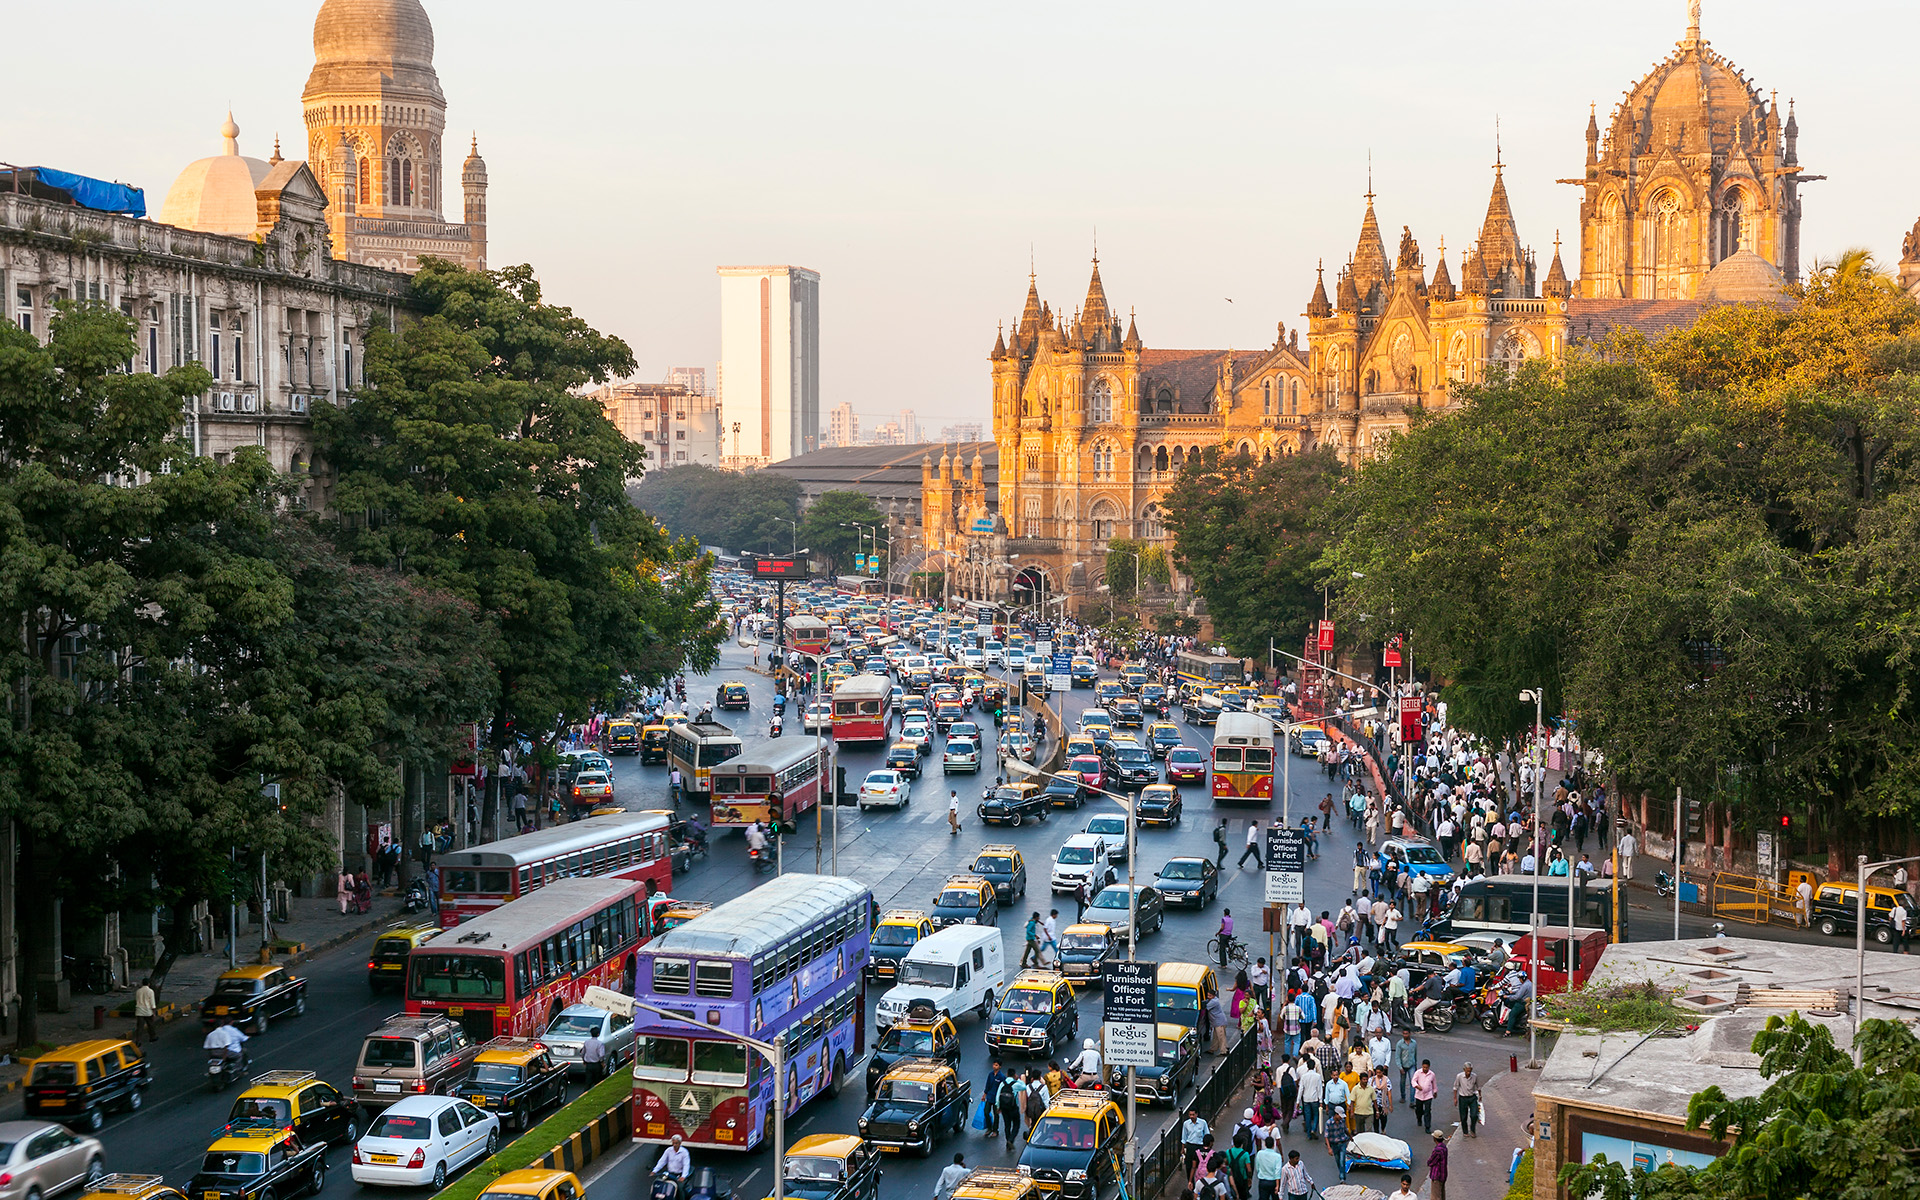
(1786, 824)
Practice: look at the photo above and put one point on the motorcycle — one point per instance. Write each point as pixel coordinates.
(224, 1069)
(774, 726)
(1663, 883)
(416, 895)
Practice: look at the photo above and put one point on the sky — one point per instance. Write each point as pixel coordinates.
(917, 154)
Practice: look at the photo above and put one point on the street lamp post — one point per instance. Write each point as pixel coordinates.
(1538, 696)
(796, 533)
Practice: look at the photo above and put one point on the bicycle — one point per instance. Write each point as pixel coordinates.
(1236, 951)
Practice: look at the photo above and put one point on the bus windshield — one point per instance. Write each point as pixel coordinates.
(457, 977)
(714, 753)
(719, 1063)
(661, 1058)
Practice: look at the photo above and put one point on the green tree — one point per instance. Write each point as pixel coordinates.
(735, 510)
(1250, 535)
(473, 460)
(1822, 1127)
(828, 528)
(1123, 567)
(1155, 567)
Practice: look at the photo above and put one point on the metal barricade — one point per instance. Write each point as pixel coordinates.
(1750, 899)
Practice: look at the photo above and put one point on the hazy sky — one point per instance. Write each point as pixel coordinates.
(911, 153)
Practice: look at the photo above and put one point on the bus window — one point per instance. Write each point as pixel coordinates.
(670, 975)
(1227, 758)
(759, 785)
(713, 979)
(715, 753)
(727, 785)
(1499, 908)
(1259, 759)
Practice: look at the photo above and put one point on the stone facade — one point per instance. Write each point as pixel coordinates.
(1910, 261)
(375, 118)
(678, 427)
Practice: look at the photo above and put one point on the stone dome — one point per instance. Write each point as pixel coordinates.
(1693, 91)
(1743, 277)
(216, 195)
(389, 31)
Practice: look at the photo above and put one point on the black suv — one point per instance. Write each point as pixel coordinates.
(1131, 764)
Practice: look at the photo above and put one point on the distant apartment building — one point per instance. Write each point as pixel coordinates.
(769, 363)
(694, 379)
(843, 425)
(886, 433)
(952, 434)
(909, 427)
(678, 426)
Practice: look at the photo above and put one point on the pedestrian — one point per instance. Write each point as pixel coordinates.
(1194, 1132)
(1406, 1056)
(1267, 1169)
(950, 1178)
(674, 784)
(1220, 840)
(1426, 1085)
(1337, 1136)
(1050, 945)
(1466, 1092)
(1217, 1017)
(1627, 848)
(1437, 1167)
(343, 889)
(1260, 977)
(144, 1011)
(1803, 904)
(1032, 952)
(593, 1054)
(1406, 1191)
(1253, 845)
(1295, 1179)
(953, 811)
(433, 891)
(990, 1095)
(1899, 917)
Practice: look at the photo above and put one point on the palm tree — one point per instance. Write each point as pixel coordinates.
(1856, 265)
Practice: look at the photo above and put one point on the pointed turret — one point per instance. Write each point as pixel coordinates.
(1133, 341)
(1369, 266)
(1033, 316)
(1000, 341)
(1349, 294)
(1442, 287)
(1095, 316)
(1320, 306)
(1557, 285)
(1473, 273)
(1593, 134)
(1793, 135)
(1502, 260)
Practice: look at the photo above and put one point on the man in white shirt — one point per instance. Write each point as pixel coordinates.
(1086, 1067)
(675, 1161)
(225, 1041)
(950, 1178)
(1628, 848)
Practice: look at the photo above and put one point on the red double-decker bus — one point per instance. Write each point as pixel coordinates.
(628, 845)
(860, 709)
(510, 972)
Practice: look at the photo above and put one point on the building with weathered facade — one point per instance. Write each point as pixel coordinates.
(678, 426)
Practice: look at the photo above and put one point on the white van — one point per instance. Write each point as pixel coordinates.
(959, 968)
(1083, 856)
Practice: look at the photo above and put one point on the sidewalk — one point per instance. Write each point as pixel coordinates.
(315, 926)
(1477, 1167)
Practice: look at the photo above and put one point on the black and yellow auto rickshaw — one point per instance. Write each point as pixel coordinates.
(653, 743)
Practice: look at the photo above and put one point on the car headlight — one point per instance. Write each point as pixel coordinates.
(1076, 1173)
(913, 1127)
(863, 1124)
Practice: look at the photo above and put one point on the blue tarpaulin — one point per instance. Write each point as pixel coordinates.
(48, 184)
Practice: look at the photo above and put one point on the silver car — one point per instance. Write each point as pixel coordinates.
(42, 1159)
(569, 1032)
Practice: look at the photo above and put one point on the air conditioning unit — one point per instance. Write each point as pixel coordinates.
(225, 403)
(297, 404)
(249, 402)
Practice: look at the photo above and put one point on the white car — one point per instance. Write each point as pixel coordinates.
(917, 731)
(960, 755)
(819, 716)
(421, 1140)
(973, 658)
(1016, 660)
(1016, 745)
(996, 653)
(1083, 856)
(884, 789)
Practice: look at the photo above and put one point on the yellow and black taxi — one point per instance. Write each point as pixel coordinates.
(732, 694)
(904, 757)
(623, 737)
(254, 996)
(924, 1032)
(535, 1183)
(302, 1102)
(1074, 1150)
(78, 1084)
(515, 1078)
(1133, 677)
(898, 932)
(965, 900)
(1162, 736)
(995, 1183)
(1036, 1016)
(1013, 804)
(1153, 698)
(259, 1160)
(1158, 805)
(675, 913)
(917, 1100)
(1082, 672)
(1423, 958)
(1080, 744)
(1004, 868)
(387, 963)
(1128, 713)
(1836, 910)
(1106, 693)
(1084, 948)
(653, 742)
(130, 1187)
(1176, 1060)
(831, 1166)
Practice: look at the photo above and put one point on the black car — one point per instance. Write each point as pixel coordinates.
(1110, 907)
(732, 695)
(1190, 880)
(914, 1103)
(515, 1078)
(1074, 1150)
(1036, 1016)
(1153, 698)
(904, 757)
(255, 1159)
(1131, 764)
(1065, 790)
(1176, 1060)
(1158, 804)
(1127, 713)
(1013, 804)
(254, 996)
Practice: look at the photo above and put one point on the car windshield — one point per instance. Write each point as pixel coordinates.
(1076, 854)
(1086, 766)
(1009, 795)
(1133, 756)
(1181, 1006)
(496, 1073)
(1107, 825)
(907, 1091)
(55, 1072)
(1063, 1133)
(388, 1052)
(1185, 756)
(814, 1169)
(882, 779)
(913, 1041)
(575, 1025)
(959, 747)
(1111, 898)
(404, 1126)
(1082, 941)
(224, 1162)
(959, 898)
(272, 1108)
(997, 864)
(1157, 796)
(896, 935)
(927, 974)
(1422, 855)
(1181, 870)
(1028, 1000)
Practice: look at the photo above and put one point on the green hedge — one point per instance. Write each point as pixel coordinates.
(533, 1145)
(1522, 1186)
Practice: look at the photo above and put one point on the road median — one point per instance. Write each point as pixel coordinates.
(583, 1131)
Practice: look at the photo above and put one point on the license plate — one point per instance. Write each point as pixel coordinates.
(386, 1159)
(53, 1104)
(219, 1010)
(385, 1085)
(479, 1100)
(210, 1195)
(456, 1012)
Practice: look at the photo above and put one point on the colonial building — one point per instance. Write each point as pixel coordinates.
(375, 119)
(1910, 261)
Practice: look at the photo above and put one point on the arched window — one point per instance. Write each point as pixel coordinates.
(1266, 454)
(1413, 378)
(366, 181)
(1736, 223)
(1666, 245)
(1033, 516)
(1104, 517)
(1150, 523)
(1103, 460)
(1457, 357)
(1609, 253)
(1160, 459)
(1100, 402)
(1246, 451)
(1146, 459)
(1373, 382)
(1516, 347)
(1164, 401)
(1179, 457)
(1293, 397)
(1266, 397)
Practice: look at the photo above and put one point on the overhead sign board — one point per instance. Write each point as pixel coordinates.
(780, 568)
(1127, 1012)
(1286, 863)
(1326, 636)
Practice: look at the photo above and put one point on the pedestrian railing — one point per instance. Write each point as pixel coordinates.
(1164, 1159)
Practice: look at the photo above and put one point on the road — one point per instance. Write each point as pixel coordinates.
(902, 856)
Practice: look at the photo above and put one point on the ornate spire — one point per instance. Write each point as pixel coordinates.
(1320, 306)
(1500, 253)
(1348, 292)
(1370, 255)
(1442, 286)
(276, 160)
(230, 137)
(1034, 315)
(1000, 339)
(1693, 20)
(1593, 134)
(1133, 341)
(1557, 285)
(1095, 317)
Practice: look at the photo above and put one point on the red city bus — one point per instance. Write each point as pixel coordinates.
(1243, 758)
(629, 845)
(860, 709)
(510, 972)
(775, 783)
(808, 635)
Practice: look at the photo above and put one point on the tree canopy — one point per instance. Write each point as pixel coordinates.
(831, 528)
(741, 511)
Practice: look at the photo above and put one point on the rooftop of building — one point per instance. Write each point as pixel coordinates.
(1753, 979)
(882, 472)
